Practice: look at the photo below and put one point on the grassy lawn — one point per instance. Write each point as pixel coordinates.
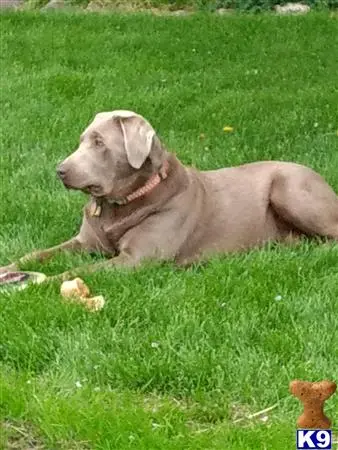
(177, 359)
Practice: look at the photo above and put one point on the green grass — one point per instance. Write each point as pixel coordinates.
(224, 346)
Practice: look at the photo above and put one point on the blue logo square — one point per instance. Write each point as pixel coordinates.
(314, 439)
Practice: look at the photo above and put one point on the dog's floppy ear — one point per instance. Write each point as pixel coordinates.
(138, 136)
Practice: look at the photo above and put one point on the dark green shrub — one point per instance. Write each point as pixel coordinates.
(260, 5)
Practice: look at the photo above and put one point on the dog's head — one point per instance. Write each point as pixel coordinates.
(118, 151)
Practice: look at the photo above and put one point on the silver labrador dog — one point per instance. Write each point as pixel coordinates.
(144, 204)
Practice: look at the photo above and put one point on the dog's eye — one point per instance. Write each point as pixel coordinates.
(98, 143)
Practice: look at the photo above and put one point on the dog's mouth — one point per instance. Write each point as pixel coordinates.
(93, 189)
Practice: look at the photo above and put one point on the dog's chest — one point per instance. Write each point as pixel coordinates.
(108, 222)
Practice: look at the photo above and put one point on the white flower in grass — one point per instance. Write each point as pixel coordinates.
(155, 345)
(278, 298)
(78, 384)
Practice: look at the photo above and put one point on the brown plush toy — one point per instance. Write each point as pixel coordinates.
(313, 396)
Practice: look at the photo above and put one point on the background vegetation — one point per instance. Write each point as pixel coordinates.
(242, 5)
(193, 5)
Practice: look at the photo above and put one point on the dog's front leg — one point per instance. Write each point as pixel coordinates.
(42, 255)
(122, 260)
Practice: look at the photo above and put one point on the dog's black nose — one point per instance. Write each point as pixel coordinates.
(61, 172)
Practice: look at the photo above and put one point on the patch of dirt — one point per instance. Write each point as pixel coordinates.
(241, 414)
(17, 435)
(20, 436)
(239, 411)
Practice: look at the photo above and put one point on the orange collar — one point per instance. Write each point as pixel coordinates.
(153, 181)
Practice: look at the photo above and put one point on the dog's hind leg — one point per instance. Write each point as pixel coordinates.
(306, 202)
